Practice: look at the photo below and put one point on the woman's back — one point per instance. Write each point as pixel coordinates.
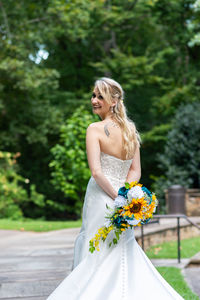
(111, 139)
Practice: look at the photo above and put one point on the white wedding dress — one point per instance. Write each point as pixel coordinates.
(121, 272)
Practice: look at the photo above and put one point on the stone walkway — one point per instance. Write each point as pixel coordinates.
(33, 264)
(192, 273)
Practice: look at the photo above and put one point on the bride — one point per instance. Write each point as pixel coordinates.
(122, 271)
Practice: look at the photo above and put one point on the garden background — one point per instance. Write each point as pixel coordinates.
(51, 53)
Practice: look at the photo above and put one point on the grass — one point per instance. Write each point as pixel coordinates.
(37, 225)
(174, 277)
(189, 247)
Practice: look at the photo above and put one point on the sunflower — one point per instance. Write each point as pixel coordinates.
(154, 198)
(135, 208)
(151, 208)
(134, 183)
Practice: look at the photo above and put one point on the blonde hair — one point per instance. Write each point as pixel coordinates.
(111, 90)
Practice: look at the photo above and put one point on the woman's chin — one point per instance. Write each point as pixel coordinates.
(96, 111)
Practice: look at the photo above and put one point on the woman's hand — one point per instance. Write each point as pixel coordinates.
(115, 196)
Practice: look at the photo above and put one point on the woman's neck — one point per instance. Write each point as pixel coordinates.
(107, 117)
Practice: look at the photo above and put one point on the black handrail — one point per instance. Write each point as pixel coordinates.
(170, 216)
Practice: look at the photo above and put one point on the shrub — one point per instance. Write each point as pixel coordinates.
(180, 161)
(12, 194)
(70, 171)
(14, 197)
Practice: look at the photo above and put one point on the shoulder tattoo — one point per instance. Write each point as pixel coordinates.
(106, 130)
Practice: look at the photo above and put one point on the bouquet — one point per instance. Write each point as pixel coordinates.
(134, 206)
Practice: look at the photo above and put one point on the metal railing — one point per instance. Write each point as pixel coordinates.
(172, 216)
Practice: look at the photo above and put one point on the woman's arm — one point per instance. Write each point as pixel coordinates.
(93, 155)
(134, 173)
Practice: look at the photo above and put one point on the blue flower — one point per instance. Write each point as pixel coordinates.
(128, 218)
(145, 221)
(146, 191)
(118, 221)
(123, 192)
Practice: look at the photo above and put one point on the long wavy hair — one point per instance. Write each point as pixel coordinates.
(111, 90)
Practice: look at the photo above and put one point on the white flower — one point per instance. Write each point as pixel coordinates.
(107, 223)
(135, 192)
(133, 222)
(120, 201)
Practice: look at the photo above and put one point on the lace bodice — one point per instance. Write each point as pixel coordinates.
(114, 167)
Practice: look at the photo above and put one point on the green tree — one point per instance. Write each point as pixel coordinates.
(14, 197)
(70, 170)
(12, 194)
(180, 162)
(193, 25)
(149, 46)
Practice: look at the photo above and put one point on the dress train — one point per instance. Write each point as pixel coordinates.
(121, 272)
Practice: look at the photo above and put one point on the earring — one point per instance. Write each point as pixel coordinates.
(111, 109)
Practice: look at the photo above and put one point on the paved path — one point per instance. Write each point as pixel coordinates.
(33, 264)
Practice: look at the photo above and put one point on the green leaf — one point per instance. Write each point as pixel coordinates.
(115, 241)
(107, 206)
(92, 249)
(127, 185)
(117, 234)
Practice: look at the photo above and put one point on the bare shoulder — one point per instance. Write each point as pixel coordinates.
(94, 128)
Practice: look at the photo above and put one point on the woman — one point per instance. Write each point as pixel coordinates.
(122, 271)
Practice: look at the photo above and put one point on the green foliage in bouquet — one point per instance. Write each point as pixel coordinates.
(70, 171)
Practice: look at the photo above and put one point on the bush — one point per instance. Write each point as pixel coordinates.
(14, 197)
(12, 194)
(181, 159)
(70, 171)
